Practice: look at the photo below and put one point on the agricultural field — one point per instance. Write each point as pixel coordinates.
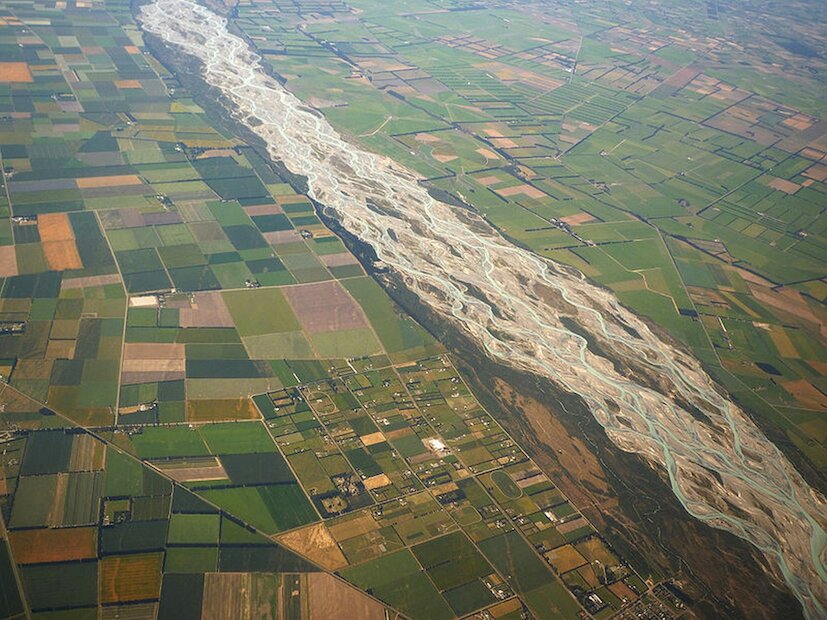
(619, 141)
(418, 485)
(210, 409)
(93, 530)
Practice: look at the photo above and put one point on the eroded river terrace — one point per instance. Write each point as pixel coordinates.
(532, 314)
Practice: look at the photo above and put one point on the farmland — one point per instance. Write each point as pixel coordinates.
(210, 409)
(207, 395)
(691, 191)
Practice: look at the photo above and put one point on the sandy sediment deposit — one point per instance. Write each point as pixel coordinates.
(533, 314)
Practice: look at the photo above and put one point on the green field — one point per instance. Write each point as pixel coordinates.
(151, 261)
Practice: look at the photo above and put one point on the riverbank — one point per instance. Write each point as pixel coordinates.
(511, 303)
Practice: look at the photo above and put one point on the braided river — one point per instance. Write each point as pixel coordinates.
(535, 315)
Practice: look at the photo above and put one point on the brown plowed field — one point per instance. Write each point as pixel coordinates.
(329, 597)
(226, 595)
(8, 261)
(324, 307)
(54, 545)
(58, 241)
(130, 577)
(316, 543)
(108, 181)
(15, 72)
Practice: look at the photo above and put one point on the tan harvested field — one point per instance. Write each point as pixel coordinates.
(115, 180)
(153, 365)
(372, 438)
(806, 394)
(587, 572)
(223, 409)
(128, 84)
(594, 549)
(130, 577)
(338, 260)
(525, 190)
(504, 143)
(58, 240)
(226, 596)
(144, 362)
(782, 342)
(489, 180)
(206, 310)
(209, 468)
(817, 172)
(15, 72)
(622, 591)
(63, 544)
(399, 432)
(8, 261)
(361, 524)
(524, 483)
(32, 369)
(263, 210)
(241, 596)
(291, 199)
(800, 122)
(503, 609)
(788, 187)
(216, 153)
(15, 402)
(62, 255)
(316, 543)
(681, 78)
(577, 218)
(324, 307)
(814, 153)
(570, 526)
(565, 558)
(281, 236)
(87, 453)
(820, 366)
(426, 137)
(445, 487)
(329, 597)
(60, 349)
(377, 482)
(791, 301)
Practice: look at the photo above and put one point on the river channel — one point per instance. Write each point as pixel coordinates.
(538, 316)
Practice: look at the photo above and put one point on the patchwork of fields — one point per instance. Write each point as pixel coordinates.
(617, 140)
(209, 410)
